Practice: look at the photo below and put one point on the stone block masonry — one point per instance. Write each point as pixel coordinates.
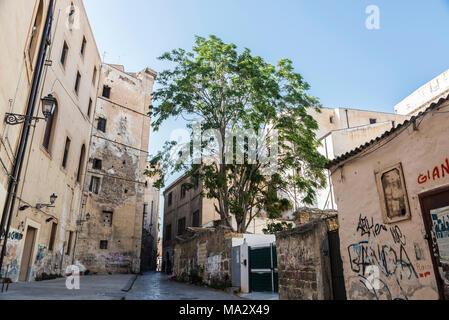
(303, 262)
(205, 256)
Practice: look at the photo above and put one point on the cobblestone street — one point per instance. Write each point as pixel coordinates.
(150, 286)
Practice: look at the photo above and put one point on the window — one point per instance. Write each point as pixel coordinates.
(104, 244)
(89, 108)
(196, 182)
(393, 194)
(83, 46)
(331, 119)
(167, 235)
(181, 226)
(98, 164)
(54, 228)
(170, 199)
(69, 243)
(81, 163)
(372, 121)
(94, 77)
(183, 191)
(35, 32)
(94, 185)
(107, 218)
(107, 92)
(101, 125)
(49, 130)
(65, 50)
(77, 82)
(196, 219)
(66, 153)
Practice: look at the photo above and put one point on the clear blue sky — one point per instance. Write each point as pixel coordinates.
(346, 64)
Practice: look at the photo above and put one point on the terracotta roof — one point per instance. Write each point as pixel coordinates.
(360, 149)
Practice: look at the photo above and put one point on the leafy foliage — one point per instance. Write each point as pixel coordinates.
(274, 228)
(228, 90)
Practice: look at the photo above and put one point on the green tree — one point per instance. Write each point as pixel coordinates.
(228, 90)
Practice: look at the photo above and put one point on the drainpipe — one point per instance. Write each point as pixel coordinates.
(18, 163)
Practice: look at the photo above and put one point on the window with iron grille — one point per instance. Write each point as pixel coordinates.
(107, 218)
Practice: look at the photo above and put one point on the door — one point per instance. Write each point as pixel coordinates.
(263, 272)
(338, 281)
(27, 259)
(435, 209)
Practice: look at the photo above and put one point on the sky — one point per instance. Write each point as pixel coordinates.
(345, 64)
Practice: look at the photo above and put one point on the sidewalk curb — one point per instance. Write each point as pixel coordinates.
(130, 284)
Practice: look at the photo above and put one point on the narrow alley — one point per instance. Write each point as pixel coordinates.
(150, 286)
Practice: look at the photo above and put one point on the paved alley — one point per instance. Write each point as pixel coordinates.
(150, 286)
(156, 286)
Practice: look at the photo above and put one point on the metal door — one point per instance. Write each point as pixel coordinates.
(263, 272)
(435, 209)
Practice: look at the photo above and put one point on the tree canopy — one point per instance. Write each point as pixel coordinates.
(230, 90)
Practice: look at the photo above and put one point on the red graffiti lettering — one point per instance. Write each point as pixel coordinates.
(437, 173)
(445, 167)
(422, 179)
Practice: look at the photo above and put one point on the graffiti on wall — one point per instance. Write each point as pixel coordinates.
(390, 260)
(12, 255)
(438, 172)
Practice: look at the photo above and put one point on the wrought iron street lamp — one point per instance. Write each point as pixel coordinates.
(48, 108)
(53, 198)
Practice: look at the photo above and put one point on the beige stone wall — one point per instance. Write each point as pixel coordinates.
(210, 252)
(43, 173)
(123, 151)
(304, 267)
(406, 268)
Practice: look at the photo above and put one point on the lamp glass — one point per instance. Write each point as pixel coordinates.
(48, 106)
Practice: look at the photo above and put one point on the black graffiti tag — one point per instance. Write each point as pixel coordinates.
(366, 228)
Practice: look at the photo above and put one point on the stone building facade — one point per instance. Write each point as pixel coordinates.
(115, 188)
(393, 201)
(42, 239)
(150, 227)
(340, 130)
(183, 208)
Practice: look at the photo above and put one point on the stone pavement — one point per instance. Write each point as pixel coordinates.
(150, 286)
(156, 286)
(91, 288)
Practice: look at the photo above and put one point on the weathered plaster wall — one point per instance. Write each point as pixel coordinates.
(43, 173)
(210, 249)
(303, 262)
(399, 249)
(123, 151)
